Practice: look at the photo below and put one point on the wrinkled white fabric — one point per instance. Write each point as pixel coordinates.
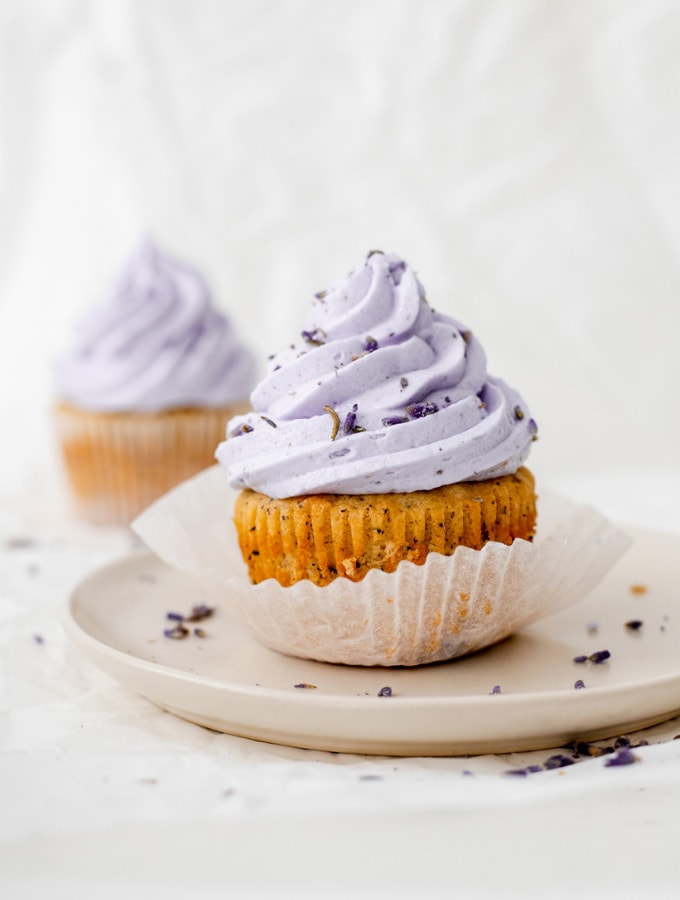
(525, 156)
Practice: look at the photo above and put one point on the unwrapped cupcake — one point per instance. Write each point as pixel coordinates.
(146, 390)
(379, 510)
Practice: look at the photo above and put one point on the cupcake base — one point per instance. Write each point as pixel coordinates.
(446, 608)
(118, 463)
(326, 536)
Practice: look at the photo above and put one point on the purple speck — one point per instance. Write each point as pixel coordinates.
(200, 612)
(370, 344)
(581, 658)
(304, 684)
(350, 422)
(174, 617)
(496, 689)
(622, 757)
(579, 685)
(39, 639)
(558, 761)
(343, 451)
(599, 656)
(533, 427)
(394, 420)
(420, 410)
(467, 773)
(178, 633)
(199, 632)
(385, 692)
(312, 337)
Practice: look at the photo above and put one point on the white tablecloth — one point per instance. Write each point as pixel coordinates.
(103, 792)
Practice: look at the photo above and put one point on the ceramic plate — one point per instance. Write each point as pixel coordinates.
(226, 681)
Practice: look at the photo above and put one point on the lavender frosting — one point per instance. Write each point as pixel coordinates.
(382, 394)
(156, 343)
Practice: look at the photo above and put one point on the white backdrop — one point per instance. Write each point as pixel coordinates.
(524, 157)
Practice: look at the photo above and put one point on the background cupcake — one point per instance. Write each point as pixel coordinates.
(144, 394)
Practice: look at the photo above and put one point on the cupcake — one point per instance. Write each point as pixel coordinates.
(378, 437)
(378, 493)
(145, 392)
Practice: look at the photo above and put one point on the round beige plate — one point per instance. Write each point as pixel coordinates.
(225, 680)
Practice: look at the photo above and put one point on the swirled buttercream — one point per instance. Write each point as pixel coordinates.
(157, 343)
(382, 394)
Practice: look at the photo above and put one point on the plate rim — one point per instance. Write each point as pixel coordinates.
(98, 650)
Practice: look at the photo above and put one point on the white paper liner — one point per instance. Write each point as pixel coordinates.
(450, 606)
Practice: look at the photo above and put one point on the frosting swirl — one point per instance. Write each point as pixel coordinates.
(382, 395)
(156, 343)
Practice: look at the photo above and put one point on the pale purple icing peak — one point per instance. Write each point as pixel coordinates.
(156, 343)
(405, 388)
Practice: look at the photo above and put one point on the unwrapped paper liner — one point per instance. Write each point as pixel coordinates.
(450, 606)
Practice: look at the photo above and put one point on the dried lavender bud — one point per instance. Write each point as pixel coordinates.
(370, 344)
(178, 633)
(579, 685)
(519, 415)
(350, 422)
(558, 761)
(599, 656)
(403, 381)
(385, 692)
(320, 295)
(621, 742)
(304, 684)
(199, 632)
(496, 689)
(580, 659)
(622, 757)
(198, 613)
(394, 420)
(420, 410)
(313, 337)
(174, 617)
(336, 421)
(634, 624)
(268, 421)
(533, 427)
(244, 428)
